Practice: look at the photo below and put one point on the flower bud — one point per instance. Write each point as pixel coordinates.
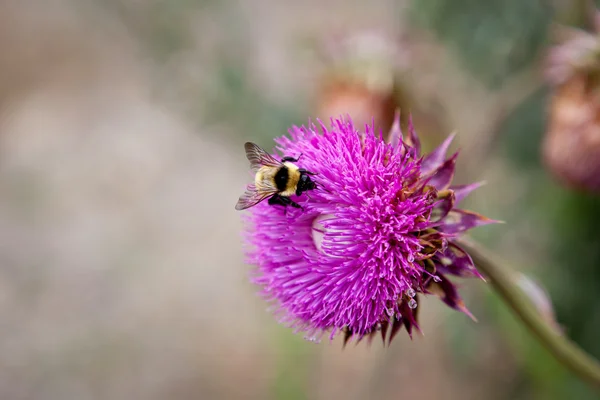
(539, 298)
(571, 146)
(359, 80)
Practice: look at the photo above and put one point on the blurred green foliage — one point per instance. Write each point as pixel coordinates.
(232, 97)
(523, 130)
(492, 39)
(239, 101)
(293, 365)
(159, 24)
(572, 217)
(571, 268)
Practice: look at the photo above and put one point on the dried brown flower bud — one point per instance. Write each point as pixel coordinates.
(571, 147)
(359, 80)
(346, 98)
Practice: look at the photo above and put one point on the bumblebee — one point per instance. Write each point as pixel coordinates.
(276, 180)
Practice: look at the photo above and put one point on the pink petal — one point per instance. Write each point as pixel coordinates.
(454, 260)
(409, 319)
(458, 221)
(435, 159)
(413, 139)
(396, 326)
(442, 177)
(396, 132)
(447, 292)
(462, 191)
(443, 205)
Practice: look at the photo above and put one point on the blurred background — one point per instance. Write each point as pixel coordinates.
(121, 159)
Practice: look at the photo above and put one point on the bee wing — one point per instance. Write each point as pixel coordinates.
(258, 157)
(252, 197)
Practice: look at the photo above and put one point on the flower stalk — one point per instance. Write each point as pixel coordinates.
(563, 349)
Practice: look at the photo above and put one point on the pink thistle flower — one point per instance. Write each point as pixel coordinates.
(377, 232)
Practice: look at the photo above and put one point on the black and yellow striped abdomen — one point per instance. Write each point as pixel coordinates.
(284, 179)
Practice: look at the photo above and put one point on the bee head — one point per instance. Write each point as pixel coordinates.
(305, 183)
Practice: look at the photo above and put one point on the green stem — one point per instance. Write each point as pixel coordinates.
(563, 349)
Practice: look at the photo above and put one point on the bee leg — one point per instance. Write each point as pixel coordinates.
(292, 159)
(292, 203)
(289, 202)
(276, 200)
(303, 171)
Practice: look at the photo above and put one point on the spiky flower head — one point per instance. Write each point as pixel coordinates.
(378, 231)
